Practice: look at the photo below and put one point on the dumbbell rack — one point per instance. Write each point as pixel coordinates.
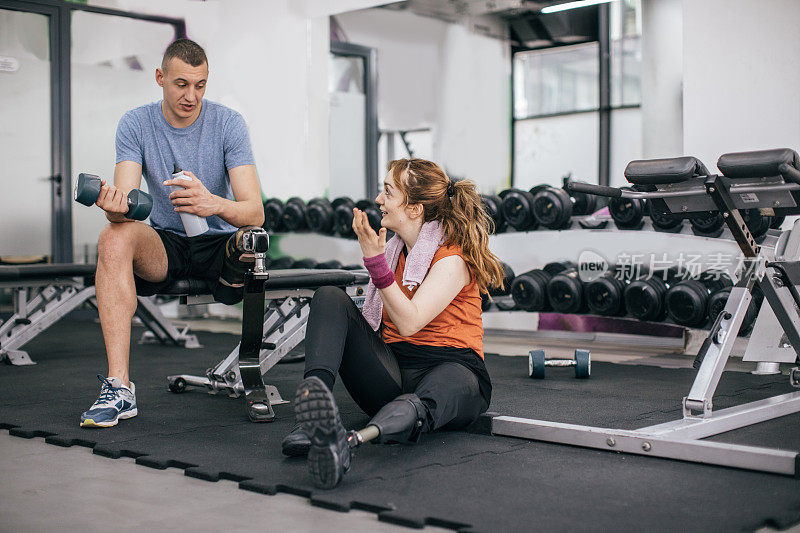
(681, 439)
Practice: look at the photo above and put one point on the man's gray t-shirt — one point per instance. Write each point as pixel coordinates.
(215, 143)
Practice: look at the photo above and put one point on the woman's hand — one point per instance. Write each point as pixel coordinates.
(372, 243)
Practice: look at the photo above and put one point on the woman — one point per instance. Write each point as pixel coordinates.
(414, 359)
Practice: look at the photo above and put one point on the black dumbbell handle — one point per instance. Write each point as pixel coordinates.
(560, 362)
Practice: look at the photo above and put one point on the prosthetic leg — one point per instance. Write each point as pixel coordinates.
(401, 420)
(239, 259)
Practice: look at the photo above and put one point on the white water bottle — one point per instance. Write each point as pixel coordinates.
(193, 224)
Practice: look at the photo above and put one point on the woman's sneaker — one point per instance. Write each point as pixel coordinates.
(116, 402)
(316, 411)
(296, 443)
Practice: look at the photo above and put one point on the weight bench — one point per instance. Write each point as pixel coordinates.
(44, 293)
(276, 307)
(767, 180)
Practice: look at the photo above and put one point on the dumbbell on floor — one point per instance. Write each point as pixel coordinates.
(87, 190)
(582, 363)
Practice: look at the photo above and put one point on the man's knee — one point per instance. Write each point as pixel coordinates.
(116, 241)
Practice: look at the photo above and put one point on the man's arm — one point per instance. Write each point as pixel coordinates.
(245, 210)
(113, 198)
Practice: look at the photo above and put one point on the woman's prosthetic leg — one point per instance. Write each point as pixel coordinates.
(401, 420)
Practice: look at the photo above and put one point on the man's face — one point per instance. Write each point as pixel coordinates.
(184, 86)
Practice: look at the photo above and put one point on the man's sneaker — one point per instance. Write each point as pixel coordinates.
(316, 411)
(296, 443)
(116, 402)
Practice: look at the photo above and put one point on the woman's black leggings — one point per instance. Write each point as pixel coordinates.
(339, 340)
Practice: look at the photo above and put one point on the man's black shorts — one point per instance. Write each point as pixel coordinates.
(198, 257)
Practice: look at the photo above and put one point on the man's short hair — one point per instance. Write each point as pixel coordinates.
(187, 51)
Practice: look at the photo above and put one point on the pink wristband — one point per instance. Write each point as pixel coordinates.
(379, 271)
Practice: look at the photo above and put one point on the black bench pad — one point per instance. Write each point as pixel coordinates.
(660, 171)
(307, 278)
(296, 278)
(758, 164)
(45, 271)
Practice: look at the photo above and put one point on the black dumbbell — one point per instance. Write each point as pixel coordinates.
(529, 289)
(718, 299)
(552, 208)
(332, 264)
(87, 190)
(373, 212)
(662, 219)
(493, 205)
(606, 295)
(687, 301)
(282, 263)
(343, 216)
(707, 224)
(273, 215)
(777, 221)
(498, 294)
(582, 363)
(757, 223)
(565, 292)
(644, 296)
(319, 216)
(294, 214)
(518, 208)
(628, 213)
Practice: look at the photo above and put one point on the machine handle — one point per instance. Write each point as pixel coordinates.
(598, 190)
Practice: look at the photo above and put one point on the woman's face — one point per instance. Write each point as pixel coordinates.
(390, 201)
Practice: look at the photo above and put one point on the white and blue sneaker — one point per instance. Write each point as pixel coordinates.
(116, 402)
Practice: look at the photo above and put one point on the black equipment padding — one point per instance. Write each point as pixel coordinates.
(295, 278)
(45, 271)
(189, 287)
(659, 171)
(454, 479)
(757, 164)
(308, 278)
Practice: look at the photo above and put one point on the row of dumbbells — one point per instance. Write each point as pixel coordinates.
(552, 208)
(629, 213)
(686, 301)
(542, 206)
(319, 215)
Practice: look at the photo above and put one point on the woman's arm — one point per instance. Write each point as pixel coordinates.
(444, 281)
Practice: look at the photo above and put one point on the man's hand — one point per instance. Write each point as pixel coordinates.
(112, 200)
(372, 243)
(194, 198)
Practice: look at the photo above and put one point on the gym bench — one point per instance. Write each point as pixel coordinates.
(276, 305)
(44, 293)
(767, 180)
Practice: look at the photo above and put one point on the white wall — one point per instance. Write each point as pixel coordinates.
(741, 76)
(433, 74)
(662, 78)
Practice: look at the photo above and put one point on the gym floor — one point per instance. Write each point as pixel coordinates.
(48, 487)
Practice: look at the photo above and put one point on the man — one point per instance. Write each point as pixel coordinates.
(211, 144)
